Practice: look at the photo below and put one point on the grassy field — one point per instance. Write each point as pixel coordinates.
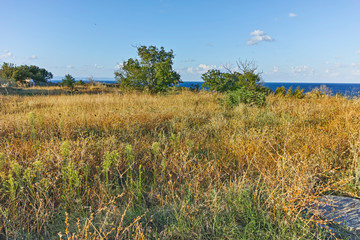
(118, 165)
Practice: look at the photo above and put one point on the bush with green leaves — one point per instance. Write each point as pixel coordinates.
(299, 93)
(244, 95)
(220, 82)
(80, 83)
(280, 91)
(289, 92)
(247, 77)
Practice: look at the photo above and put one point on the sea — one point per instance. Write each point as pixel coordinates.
(347, 89)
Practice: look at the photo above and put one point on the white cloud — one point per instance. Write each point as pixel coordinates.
(202, 68)
(355, 69)
(7, 55)
(358, 52)
(305, 70)
(190, 60)
(292, 15)
(332, 73)
(299, 69)
(32, 57)
(275, 69)
(69, 67)
(98, 67)
(341, 65)
(356, 72)
(345, 70)
(258, 36)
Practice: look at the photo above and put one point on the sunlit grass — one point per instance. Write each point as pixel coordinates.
(131, 165)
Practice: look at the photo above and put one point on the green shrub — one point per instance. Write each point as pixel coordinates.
(244, 95)
(280, 91)
(299, 93)
(110, 159)
(80, 83)
(289, 92)
(68, 81)
(247, 77)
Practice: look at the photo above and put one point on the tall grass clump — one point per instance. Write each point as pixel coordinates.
(110, 161)
(183, 166)
(244, 95)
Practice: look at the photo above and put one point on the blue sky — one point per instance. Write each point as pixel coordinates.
(290, 41)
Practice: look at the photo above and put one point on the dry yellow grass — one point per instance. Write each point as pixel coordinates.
(53, 149)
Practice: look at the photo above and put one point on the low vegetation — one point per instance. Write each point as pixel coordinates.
(137, 166)
(297, 93)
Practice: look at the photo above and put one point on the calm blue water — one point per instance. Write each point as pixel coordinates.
(350, 89)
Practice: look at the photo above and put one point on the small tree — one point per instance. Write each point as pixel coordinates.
(220, 82)
(68, 81)
(7, 70)
(247, 77)
(153, 72)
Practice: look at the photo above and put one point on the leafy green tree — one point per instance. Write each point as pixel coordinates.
(153, 72)
(20, 73)
(7, 70)
(223, 82)
(68, 81)
(39, 74)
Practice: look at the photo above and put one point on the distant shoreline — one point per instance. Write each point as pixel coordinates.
(112, 80)
(349, 89)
